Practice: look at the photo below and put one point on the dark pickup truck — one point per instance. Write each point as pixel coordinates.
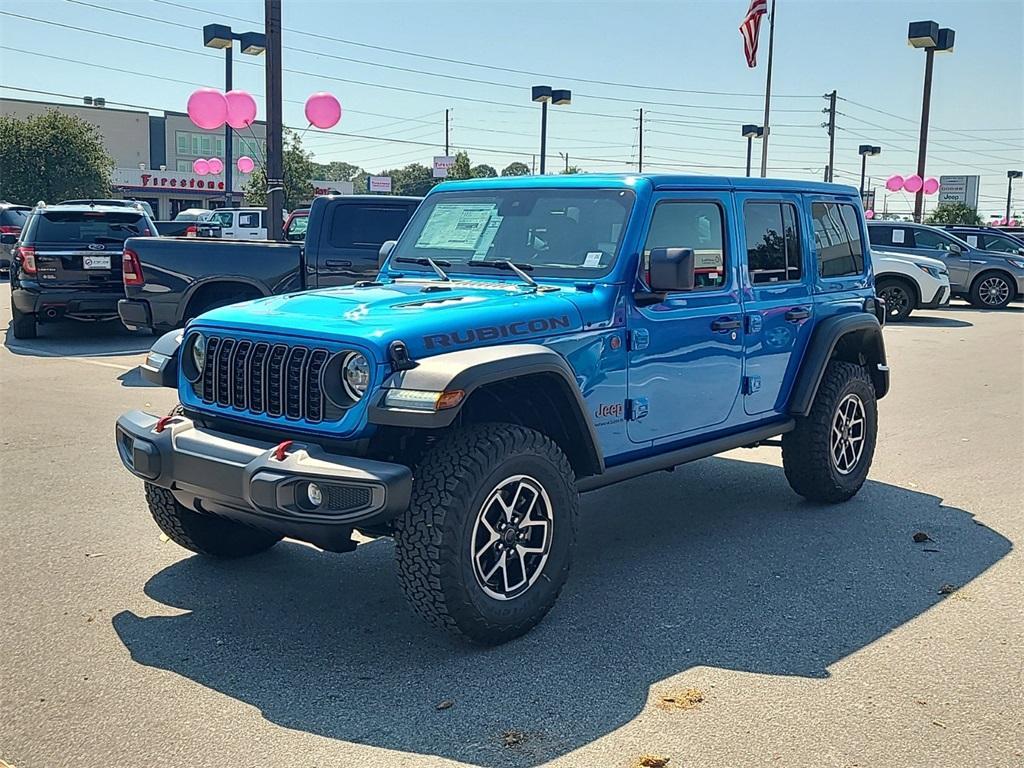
(169, 281)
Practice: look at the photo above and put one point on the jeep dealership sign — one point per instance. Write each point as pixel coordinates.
(959, 189)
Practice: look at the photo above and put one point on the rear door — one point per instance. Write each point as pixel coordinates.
(352, 236)
(83, 248)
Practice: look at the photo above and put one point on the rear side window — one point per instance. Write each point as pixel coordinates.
(926, 238)
(837, 239)
(690, 225)
(14, 217)
(773, 243)
(297, 228)
(87, 227)
(249, 220)
(366, 226)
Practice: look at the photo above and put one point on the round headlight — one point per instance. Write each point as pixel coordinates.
(199, 352)
(355, 375)
(193, 357)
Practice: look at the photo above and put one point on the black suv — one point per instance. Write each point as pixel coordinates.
(67, 263)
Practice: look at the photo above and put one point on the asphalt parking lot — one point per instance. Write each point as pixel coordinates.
(711, 617)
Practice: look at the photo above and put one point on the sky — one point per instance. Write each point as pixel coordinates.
(396, 66)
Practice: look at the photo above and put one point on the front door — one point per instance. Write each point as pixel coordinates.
(954, 253)
(686, 352)
(778, 306)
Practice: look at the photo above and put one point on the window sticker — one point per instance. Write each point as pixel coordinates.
(972, 240)
(593, 259)
(897, 237)
(484, 244)
(457, 226)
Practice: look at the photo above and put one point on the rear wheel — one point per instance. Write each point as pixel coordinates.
(993, 290)
(204, 534)
(23, 325)
(899, 297)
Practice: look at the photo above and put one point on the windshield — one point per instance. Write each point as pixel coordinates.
(87, 227)
(552, 232)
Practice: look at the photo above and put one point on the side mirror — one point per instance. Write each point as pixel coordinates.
(955, 248)
(384, 252)
(672, 269)
(8, 239)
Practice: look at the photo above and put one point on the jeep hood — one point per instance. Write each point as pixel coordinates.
(430, 316)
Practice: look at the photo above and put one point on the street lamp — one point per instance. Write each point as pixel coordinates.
(251, 43)
(544, 94)
(1010, 176)
(751, 132)
(927, 35)
(865, 151)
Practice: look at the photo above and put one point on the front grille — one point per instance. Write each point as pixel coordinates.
(263, 378)
(342, 498)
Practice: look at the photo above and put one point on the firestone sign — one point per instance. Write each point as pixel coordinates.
(166, 181)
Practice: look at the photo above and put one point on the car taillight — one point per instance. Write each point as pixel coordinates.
(26, 255)
(6, 230)
(131, 268)
(191, 231)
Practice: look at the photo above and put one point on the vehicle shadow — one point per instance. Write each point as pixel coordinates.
(932, 321)
(1012, 307)
(717, 564)
(80, 339)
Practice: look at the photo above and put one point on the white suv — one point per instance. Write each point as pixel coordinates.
(906, 283)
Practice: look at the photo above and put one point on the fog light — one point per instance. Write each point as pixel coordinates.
(314, 494)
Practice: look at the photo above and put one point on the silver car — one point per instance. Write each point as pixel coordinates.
(987, 279)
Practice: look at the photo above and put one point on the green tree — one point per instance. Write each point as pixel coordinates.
(412, 179)
(483, 171)
(953, 213)
(516, 169)
(572, 169)
(461, 168)
(337, 171)
(298, 176)
(52, 157)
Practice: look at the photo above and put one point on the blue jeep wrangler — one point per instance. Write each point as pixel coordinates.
(526, 340)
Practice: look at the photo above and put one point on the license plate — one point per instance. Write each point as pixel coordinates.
(96, 262)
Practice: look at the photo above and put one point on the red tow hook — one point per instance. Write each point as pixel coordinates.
(279, 452)
(162, 423)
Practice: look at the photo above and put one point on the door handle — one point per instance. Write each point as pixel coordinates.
(338, 263)
(796, 314)
(725, 324)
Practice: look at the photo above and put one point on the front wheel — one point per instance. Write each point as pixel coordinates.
(992, 291)
(828, 455)
(486, 543)
(899, 299)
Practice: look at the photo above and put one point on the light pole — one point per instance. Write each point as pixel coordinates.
(544, 94)
(751, 132)
(252, 43)
(865, 151)
(927, 35)
(1010, 176)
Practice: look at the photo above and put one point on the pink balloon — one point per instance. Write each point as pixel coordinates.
(894, 183)
(208, 108)
(216, 165)
(245, 164)
(1002, 222)
(241, 109)
(931, 186)
(913, 184)
(201, 166)
(1014, 223)
(323, 110)
(869, 214)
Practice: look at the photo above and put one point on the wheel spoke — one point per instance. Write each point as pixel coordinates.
(499, 564)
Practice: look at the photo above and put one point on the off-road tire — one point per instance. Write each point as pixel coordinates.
(899, 295)
(23, 325)
(983, 280)
(204, 534)
(434, 536)
(807, 450)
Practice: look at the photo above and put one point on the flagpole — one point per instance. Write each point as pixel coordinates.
(768, 94)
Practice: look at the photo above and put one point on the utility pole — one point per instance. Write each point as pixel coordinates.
(640, 158)
(446, 133)
(768, 94)
(543, 134)
(831, 126)
(922, 144)
(275, 124)
(565, 156)
(228, 161)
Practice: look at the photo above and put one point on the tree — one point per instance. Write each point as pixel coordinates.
(953, 213)
(413, 179)
(572, 169)
(483, 171)
(460, 168)
(52, 157)
(337, 171)
(298, 176)
(516, 169)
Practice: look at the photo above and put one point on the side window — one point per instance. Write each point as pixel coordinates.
(975, 241)
(690, 225)
(926, 238)
(249, 220)
(1000, 244)
(366, 226)
(773, 245)
(837, 239)
(223, 218)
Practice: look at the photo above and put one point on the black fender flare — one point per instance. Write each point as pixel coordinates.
(161, 365)
(216, 280)
(470, 369)
(863, 334)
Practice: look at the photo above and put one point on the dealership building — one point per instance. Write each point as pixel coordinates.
(153, 155)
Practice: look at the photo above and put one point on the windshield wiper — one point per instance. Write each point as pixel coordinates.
(519, 269)
(426, 261)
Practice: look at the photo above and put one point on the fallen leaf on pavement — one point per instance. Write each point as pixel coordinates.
(651, 761)
(948, 589)
(687, 699)
(446, 704)
(164, 537)
(921, 537)
(513, 738)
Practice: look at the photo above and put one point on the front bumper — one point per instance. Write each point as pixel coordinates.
(242, 479)
(940, 299)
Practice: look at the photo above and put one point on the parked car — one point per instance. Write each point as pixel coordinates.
(115, 202)
(241, 223)
(68, 263)
(528, 339)
(194, 214)
(987, 279)
(906, 283)
(295, 225)
(12, 219)
(188, 228)
(170, 281)
(989, 239)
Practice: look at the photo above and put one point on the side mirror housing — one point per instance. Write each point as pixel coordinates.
(8, 239)
(955, 248)
(672, 269)
(385, 251)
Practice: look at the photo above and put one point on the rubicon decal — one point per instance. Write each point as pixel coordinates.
(492, 332)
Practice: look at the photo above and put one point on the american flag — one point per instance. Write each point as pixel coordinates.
(749, 28)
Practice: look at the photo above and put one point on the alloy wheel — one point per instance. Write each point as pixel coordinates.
(994, 291)
(897, 302)
(848, 433)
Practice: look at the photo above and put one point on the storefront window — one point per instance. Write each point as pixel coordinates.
(199, 144)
